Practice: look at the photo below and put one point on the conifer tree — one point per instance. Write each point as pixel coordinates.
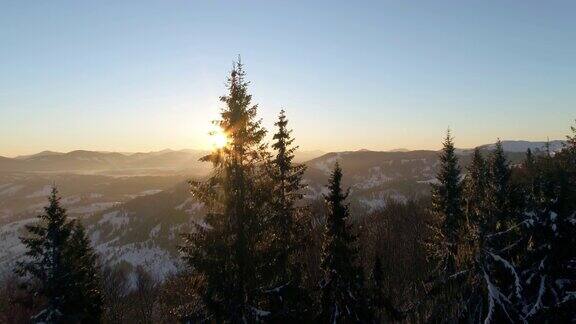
(500, 203)
(46, 248)
(504, 226)
(61, 266)
(549, 276)
(475, 187)
(493, 284)
(225, 250)
(85, 295)
(467, 289)
(447, 248)
(289, 300)
(447, 200)
(342, 289)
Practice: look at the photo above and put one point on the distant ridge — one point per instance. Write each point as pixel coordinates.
(523, 146)
(399, 150)
(84, 161)
(43, 153)
(168, 159)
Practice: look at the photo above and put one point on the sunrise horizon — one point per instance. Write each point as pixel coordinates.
(326, 162)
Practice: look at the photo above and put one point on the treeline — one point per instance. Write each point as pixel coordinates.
(494, 243)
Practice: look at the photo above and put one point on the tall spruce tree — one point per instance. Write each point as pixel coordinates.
(61, 267)
(500, 202)
(475, 187)
(343, 287)
(226, 250)
(289, 300)
(504, 226)
(85, 295)
(46, 248)
(447, 246)
(447, 200)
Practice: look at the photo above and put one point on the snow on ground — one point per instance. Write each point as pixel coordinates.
(10, 189)
(182, 205)
(375, 178)
(327, 164)
(36, 208)
(379, 200)
(11, 249)
(429, 181)
(373, 203)
(144, 193)
(114, 218)
(155, 230)
(44, 192)
(93, 208)
(189, 206)
(314, 192)
(70, 200)
(153, 259)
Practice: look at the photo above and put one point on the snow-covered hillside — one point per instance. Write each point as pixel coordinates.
(137, 221)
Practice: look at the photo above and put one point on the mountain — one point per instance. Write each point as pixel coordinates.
(523, 146)
(136, 221)
(82, 161)
(43, 153)
(303, 156)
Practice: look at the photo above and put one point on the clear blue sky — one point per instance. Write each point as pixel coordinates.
(146, 75)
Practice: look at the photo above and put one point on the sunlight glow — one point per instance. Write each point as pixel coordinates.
(219, 138)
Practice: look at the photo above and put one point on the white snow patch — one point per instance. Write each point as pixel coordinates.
(10, 190)
(155, 230)
(93, 208)
(114, 218)
(429, 181)
(145, 193)
(11, 249)
(375, 178)
(155, 260)
(43, 192)
(327, 164)
(70, 200)
(379, 200)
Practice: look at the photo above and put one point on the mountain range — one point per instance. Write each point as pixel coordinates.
(115, 163)
(136, 220)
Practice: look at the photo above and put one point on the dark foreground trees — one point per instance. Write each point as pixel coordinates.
(343, 295)
(61, 267)
(495, 249)
(518, 226)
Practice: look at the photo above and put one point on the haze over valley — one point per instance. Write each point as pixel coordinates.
(135, 205)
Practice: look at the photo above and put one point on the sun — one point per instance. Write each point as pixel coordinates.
(219, 138)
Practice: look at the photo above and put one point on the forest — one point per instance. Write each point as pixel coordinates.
(494, 242)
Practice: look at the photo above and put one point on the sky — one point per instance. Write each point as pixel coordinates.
(146, 75)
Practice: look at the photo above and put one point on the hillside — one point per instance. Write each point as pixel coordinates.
(137, 220)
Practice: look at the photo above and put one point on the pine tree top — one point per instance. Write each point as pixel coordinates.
(336, 195)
